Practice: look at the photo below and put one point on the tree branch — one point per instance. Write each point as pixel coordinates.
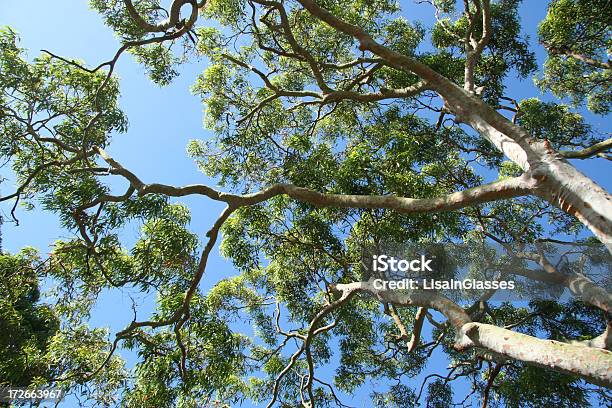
(492, 375)
(592, 364)
(595, 150)
(170, 22)
(508, 188)
(423, 298)
(557, 50)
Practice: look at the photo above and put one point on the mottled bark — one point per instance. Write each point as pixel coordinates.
(592, 364)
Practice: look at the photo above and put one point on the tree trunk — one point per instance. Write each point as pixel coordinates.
(560, 183)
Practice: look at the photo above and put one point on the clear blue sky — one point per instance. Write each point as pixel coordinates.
(162, 121)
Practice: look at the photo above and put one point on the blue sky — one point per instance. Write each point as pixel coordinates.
(162, 121)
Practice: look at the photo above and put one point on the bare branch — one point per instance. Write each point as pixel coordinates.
(595, 150)
(313, 330)
(170, 22)
(492, 375)
(424, 298)
(415, 339)
(498, 190)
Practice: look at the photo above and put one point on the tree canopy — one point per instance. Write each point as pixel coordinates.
(337, 125)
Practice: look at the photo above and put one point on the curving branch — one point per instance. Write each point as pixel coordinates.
(597, 149)
(285, 25)
(455, 314)
(508, 188)
(493, 373)
(313, 330)
(173, 18)
(578, 284)
(412, 341)
(328, 96)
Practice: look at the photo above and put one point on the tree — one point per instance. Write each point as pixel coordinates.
(26, 326)
(337, 128)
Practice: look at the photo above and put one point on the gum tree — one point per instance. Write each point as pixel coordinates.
(337, 125)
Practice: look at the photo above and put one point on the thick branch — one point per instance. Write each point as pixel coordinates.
(415, 339)
(578, 284)
(603, 341)
(592, 364)
(488, 192)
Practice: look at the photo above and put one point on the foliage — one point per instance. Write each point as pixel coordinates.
(289, 101)
(26, 324)
(577, 36)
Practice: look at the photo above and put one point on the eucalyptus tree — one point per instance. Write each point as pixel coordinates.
(337, 124)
